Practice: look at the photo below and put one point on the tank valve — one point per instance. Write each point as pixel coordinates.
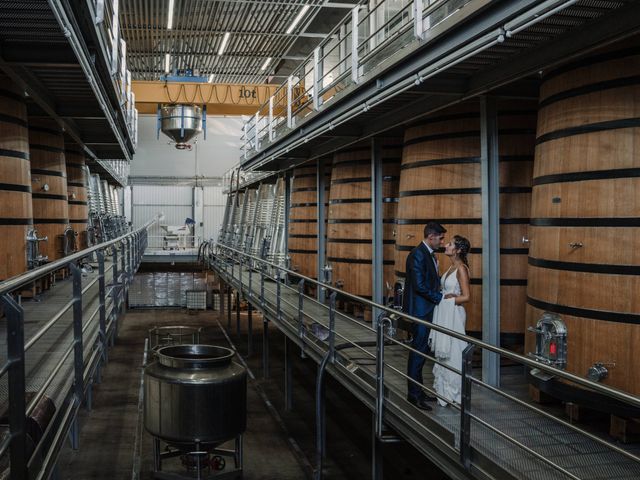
(576, 245)
(525, 240)
(327, 273)
(45, 187)
(597, 372)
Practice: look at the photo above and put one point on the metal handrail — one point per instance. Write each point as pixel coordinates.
(465, 414)
(611, 392)
(15, 282)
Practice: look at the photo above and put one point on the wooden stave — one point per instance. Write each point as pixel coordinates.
(78, 201)
(585, 181)
(50, 209)
(303, 228)
(349, 226)
(15, 172)
(453, 147)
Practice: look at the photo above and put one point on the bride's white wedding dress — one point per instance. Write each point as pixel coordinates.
(447, 349)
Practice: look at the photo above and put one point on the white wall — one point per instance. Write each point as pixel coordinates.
(210, 158)
(176, 202)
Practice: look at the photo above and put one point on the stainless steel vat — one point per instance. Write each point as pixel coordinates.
(181, 123)
(195, 396)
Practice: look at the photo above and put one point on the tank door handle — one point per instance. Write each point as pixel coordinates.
(409, 235)
(576, 245)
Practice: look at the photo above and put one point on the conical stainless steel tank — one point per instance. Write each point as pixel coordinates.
(195, 396)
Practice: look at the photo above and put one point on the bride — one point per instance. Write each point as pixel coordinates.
(450, 313)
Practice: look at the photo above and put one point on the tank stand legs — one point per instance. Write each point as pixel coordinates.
(214, 461)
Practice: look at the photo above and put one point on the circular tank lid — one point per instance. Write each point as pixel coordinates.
(194, 356)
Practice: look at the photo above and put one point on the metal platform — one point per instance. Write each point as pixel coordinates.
(42, 358)
(507, 439)
(52, 348)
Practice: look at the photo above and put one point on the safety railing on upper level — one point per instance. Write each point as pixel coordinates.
(231, 263)
(362, 41)
(54, 351)
(236, 179)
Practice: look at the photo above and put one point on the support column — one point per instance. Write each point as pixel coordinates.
(229, 308)
(377, 462)
(249, 330)
(238, 314)
(287, 212)
(377, 232)
(490, 167)
(322, 231)
(288, 375)
(265, 347)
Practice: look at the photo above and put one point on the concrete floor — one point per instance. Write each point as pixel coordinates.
(278, 444)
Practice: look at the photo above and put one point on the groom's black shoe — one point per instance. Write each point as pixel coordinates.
(421, 403)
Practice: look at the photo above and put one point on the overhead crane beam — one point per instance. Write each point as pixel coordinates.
(220, 98)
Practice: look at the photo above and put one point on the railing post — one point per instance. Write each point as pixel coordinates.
(316, 78)
(246, 139)
(229, 307)
(354, 44)
(102, 300)
(250, 282)
(240, 270)
(99, 12)
(300, 305)
(262, 268)
(271, 118)
(78, 351)
(278, 292)
(17, 405)
(379, 407)
(289, 101)
(332, 327)
(377, 463)
(417, 19)
(257, 133)
(465, 407)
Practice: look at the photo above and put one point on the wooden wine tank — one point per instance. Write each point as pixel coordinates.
(77, 191)
(440, 180)
(350, 229)
(585, 225)
(15, 180)
(48, 185)
(303, 214)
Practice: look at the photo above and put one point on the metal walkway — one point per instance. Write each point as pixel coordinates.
(497, 425)
(42, 358)
(53, 346)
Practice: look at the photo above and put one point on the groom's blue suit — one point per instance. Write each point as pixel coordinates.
(421, 295)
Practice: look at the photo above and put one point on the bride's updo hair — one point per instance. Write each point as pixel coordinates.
(463, 245)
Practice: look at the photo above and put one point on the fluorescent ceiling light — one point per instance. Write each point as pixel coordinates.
(170, 19)
(223, 45)
(265, 64)
(296, 20)
(167, 63)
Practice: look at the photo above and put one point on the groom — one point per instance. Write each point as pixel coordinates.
(421, 295)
